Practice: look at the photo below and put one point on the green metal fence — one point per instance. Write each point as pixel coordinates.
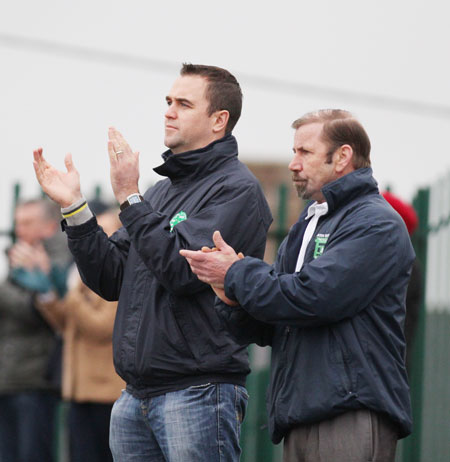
(255, 441)
(430, 377)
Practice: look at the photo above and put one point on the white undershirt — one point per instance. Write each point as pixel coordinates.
(315, 211)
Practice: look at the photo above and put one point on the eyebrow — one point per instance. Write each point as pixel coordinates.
(179, 100)
(301, 149)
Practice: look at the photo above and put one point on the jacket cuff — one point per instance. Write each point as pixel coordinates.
(79, 231)
(229, 277)
(77, 213)
(134, 212)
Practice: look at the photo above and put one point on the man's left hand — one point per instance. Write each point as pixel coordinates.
(124, 166)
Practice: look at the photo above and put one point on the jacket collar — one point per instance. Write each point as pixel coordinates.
(358, 183)
(337, 193)
(199, 162)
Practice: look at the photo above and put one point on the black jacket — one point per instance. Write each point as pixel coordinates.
(167, 335)
(336, 326)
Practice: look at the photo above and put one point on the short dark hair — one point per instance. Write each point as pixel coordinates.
(223, 91)
(340, 127)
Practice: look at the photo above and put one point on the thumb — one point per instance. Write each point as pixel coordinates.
(68, 162)
(219, 242)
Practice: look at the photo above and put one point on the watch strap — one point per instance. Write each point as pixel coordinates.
(127, 203)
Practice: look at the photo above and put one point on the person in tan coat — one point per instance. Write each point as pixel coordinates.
(89, 381)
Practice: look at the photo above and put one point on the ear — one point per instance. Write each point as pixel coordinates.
(344, 159)
(220, 121)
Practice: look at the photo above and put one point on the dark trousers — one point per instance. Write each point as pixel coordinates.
(355, 436)
(89, 432)
(26, 426)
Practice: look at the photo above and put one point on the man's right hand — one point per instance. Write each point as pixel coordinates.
(219, 291)
(63, 187)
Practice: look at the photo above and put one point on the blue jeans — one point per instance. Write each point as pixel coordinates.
(198, 424)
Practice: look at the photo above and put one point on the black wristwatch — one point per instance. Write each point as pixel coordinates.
(131, 199)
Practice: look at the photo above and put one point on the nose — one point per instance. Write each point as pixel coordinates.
(171, 113)
(295, 165)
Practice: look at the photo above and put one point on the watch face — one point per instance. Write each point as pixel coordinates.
(134, 199)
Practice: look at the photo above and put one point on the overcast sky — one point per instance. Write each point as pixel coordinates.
(71, 69)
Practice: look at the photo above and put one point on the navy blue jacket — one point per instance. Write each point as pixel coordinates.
(167, 335)
(336, 326)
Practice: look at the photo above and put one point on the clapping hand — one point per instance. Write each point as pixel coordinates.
(124, 165)
(63, 187)
(211, 265)
(24, 255)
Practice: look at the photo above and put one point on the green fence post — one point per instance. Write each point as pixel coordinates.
(98, 192)
(16, 197)
(412, 444)
(248, 429)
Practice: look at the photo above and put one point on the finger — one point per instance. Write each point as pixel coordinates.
(23, 249)
(37, 154)
(196, 255)
(18, 257)
(240, 255)
(119, 141)
(111, 133)
(208, 249)
(37, 171)
(219, 242)
(112, 153)
(112, 136)
(39, 161)
(69, 163)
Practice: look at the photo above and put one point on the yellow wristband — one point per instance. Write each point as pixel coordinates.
(78, 210)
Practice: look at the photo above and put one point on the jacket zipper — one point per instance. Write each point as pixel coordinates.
(287, 331)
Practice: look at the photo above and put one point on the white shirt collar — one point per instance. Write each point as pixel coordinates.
(317, 209)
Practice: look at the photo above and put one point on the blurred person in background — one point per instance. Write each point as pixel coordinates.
(414, 293)
(90, 384)
(28, 394)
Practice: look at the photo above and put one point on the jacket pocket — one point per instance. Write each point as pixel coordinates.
(185, 344)
(341, 359)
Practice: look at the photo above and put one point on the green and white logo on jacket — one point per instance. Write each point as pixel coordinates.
(321, 240)
(177, 218)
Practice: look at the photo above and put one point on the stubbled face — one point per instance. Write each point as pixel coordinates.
(30, 224)
(309, 167)
(187, 123)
